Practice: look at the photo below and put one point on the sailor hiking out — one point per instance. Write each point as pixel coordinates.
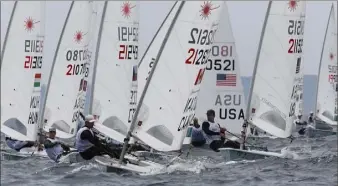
(55, 149)
(89, 145)
(18, 145)
(215, 135)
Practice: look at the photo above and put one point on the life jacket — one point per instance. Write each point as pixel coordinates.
(197, 134)
(215, 128)
(54, 152)
(82, 145)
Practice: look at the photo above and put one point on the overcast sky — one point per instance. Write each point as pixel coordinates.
(246, 17)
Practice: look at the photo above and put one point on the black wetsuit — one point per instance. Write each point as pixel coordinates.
(98, 148)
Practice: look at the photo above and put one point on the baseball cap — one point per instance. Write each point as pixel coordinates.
(90, 118)
(52, 129)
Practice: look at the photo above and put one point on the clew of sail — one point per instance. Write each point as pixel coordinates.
(114, 81)
(67, 85)
(222, 88)
(271, 100)
(182, 49)
(21, 62)
(326, 98)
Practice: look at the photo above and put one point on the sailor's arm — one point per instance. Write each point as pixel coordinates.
(49, 144)
(90, 137)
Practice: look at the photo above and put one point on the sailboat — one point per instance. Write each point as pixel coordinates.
(270, 102)
(67, 84)
(171, 90)
(326, 92)
(22, 58)
(222, 88)
(113, 97)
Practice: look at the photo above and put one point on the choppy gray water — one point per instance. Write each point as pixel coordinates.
(315, 164)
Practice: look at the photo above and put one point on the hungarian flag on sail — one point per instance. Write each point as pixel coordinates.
(135, 73)
(37, 80)
(226, 80)
(83, 85)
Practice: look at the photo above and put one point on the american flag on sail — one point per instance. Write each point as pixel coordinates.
(83, 85)
(226, 80)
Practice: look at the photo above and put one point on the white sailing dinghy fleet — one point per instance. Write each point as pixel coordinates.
(326, 109)
(170, 92)
(20, 96)
(169, 77)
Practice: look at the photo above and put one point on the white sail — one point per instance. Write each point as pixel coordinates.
(270, 107)
(21, 63)
(114, 82)
(67, 85)
(222, 88)
(327, 75)
(170, 95)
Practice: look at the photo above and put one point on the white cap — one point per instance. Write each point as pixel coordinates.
(90, 118)
(311, 112)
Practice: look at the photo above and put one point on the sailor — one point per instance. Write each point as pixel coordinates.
(299, 121)
(213, 134)
(55, 148)
(311, 119)
(89, 145)
(197, 136)
(18, 145)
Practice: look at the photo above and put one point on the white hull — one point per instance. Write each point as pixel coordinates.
(9, 154)
(134, 165)
(230, 154)
(73, 157)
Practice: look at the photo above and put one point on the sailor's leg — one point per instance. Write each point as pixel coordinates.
(232, 144)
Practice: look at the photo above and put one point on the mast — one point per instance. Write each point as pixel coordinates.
(320, 65)
(7, 32)
(41, 120)
(98, 44)
(254, 72)
(132, 126)
(151, 42)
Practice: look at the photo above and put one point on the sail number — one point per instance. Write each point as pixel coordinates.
(218, 64)
(33, 62)
(77, 55)
(223, 51)
(77, 69)
(296, 46)
(296, 27)
(197, 57)
(201, 36)
(128, 52)
(189, 112)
